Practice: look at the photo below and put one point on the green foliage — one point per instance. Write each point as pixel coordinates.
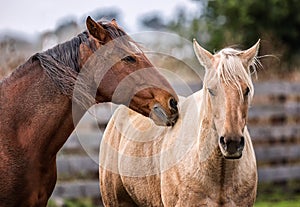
(220, 23)
(246, 21)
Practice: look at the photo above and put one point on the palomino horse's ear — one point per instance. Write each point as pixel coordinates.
(205, 58)
(248, 56)
(95, 29)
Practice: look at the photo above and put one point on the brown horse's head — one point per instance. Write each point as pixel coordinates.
(124, 75)
(228, 90)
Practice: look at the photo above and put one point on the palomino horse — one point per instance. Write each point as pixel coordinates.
(36, 104)
(206, 159)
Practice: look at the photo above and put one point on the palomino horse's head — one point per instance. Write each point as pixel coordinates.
(130, 78)
(228, 89)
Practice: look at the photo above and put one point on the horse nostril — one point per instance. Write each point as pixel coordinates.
(242, 142)
(173, 104)
(223, 143)
(232, 146)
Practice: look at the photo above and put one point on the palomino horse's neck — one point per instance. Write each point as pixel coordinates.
(217, 170)
(230, 176)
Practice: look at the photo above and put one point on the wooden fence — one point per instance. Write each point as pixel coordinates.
(274, 119)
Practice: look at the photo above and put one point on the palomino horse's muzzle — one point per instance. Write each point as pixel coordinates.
(232, 147)
(162, 118)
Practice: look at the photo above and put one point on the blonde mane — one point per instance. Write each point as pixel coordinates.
(232, 71)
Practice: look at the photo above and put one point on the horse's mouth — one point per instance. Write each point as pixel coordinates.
(233, 157)
(160, 117)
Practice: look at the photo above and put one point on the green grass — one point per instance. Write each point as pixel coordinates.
(283, 194)
(84, 202)
(278, 204)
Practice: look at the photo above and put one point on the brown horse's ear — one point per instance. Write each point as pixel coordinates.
(205, 58)
(248, 56)
(114, 22)
(95, 29)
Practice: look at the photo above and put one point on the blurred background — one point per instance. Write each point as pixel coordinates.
(30, 26)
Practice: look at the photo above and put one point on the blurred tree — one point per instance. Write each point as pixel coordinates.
(104, 14)
(221, 23)
(245, 21)
(153, 21)
(181, 24)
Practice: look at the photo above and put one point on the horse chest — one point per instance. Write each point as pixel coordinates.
(145, 190)
(218, 183)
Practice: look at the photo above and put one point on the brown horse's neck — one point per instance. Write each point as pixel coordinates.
(39, 95)
(42, 115)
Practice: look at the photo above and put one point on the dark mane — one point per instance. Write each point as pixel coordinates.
(68, 52)
(61, 63)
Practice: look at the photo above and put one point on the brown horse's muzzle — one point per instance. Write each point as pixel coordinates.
(163, 118)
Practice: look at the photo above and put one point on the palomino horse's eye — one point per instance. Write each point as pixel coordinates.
(129, 59)
(211, 92)
(246, 93)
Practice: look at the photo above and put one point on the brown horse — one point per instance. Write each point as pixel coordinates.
(36, 104)
(206, 159)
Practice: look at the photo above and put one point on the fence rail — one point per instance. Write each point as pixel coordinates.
(273, 124)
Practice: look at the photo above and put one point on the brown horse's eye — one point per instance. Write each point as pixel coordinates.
(129, 59)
